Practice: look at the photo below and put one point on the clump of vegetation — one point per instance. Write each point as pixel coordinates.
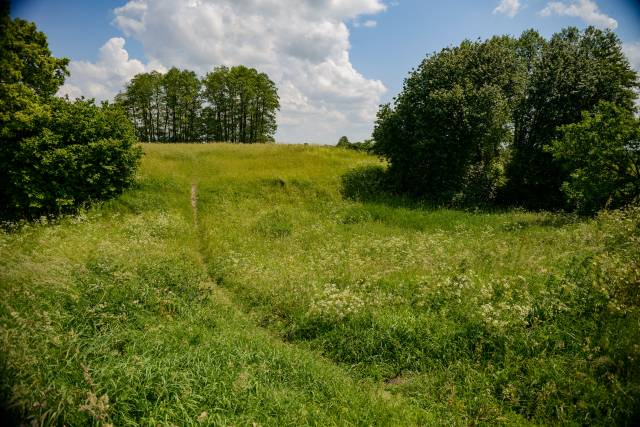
(55, 155)
(475, 124)
(236, 104)
(364, 146)
(83, 153)
(603, 154)
(365, 182)
(591, 60)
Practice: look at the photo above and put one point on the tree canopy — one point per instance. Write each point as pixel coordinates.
(236, 104)
(601, 154)
(452, 118)
(473, 122)
(55, 155)
(573, 72)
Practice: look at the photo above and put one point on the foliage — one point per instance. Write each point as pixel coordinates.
(343, 142)
(474, 122)
(569, 75)
(481, 185)
(82, 153)
(602, 155)
(242, 105)
(452, 116)
(25, 58)
(364, 182)
(164, 107)
(54, 155)
(236, 104)
(364, 146)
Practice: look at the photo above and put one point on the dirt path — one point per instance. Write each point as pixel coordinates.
(194, 202)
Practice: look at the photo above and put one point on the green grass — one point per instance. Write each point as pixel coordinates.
(280, 303)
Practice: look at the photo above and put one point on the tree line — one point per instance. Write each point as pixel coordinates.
(236, 104)
(544, 124)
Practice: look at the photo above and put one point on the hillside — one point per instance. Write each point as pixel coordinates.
(234, 285)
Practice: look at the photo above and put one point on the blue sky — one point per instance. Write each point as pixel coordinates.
(334, 60)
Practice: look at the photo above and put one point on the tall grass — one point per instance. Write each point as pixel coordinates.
(286, 304)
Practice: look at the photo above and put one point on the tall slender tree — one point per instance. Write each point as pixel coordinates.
(236, 104)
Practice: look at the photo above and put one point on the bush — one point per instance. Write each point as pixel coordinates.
(364, 182)
(451, 118)
(343, 142)
(601, 154)
(480, 186)
(55, 155)
(82, 153)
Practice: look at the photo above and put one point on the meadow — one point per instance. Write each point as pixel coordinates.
(234, 285)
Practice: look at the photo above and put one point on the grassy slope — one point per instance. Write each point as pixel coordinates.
(284, 304)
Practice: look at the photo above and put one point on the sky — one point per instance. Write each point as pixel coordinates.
(334, 61)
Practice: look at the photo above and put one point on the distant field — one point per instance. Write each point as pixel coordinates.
(235, 286)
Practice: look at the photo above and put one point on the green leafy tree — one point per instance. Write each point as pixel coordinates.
(452, 119)
(143, 100)
(55, 155)
(568, 75)
(241, 105)
(236, 104)
(601, 155)
(83, 153)
(29, 75)
(343, 142)
(182, 105)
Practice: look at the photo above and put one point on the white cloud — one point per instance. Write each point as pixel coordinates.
(508, 7)
(302, 45)
(632, 51)
(587, 10)
(107, 76)
(369, 23)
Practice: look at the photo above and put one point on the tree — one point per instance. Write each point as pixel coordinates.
(241, 105)
(83, 153)
(343, 142)
(235, 104)
(452, 119)
(54, 155)
(182, 105)
(144, 103)
(601, 156)
(568, 75)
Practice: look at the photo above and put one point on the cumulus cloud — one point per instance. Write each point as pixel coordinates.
(587, 10)
(632, 51)
(508, 7)
(108, 75)
(369, 23)
(302, 45)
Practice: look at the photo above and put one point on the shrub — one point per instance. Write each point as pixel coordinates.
(55, 155)
(480, 185)
(82, 153)
(364, 182)
(602, 155)
(343, 142)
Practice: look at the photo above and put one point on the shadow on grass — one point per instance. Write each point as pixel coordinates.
(372, 187)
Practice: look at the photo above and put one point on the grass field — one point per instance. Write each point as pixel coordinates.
(235, 286)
